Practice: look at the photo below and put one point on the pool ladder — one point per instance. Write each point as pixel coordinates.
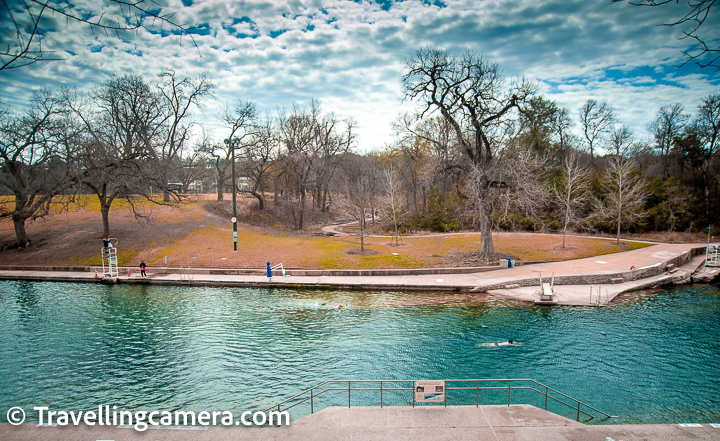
(186, 275)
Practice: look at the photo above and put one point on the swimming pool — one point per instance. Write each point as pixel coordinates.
(76, 346)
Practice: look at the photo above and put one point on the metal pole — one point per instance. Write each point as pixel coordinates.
(381, 394)
(235, 238)
(477, 394)
(348, 394)
(546, 397)
(578, 411)
(509, 381)
(311, 402)
(707, 249)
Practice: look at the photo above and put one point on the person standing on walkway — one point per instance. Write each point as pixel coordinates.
(269, 271)
(142, 268)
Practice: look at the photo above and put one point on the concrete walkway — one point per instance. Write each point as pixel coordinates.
(655, 265)
(459, 423)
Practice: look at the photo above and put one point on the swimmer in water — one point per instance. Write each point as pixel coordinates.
(507, 343)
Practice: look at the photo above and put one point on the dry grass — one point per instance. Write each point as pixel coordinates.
(189, 235)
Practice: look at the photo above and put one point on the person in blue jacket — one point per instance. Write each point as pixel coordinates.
(269, 271)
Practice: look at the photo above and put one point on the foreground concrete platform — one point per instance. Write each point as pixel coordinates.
(460, 423)
(657, 265)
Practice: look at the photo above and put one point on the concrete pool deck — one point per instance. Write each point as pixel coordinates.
(656, 265)
(519, 422)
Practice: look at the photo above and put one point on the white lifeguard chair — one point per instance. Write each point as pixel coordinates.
(713, 255)
(109, 262)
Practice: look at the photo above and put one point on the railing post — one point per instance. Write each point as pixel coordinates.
(578, 411)
(381, 394)
(348, 394)
(412, 396)
(477, 394)
(312, 405)
(546, 389)
(509, 386)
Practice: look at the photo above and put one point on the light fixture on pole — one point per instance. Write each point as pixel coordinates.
(232, 143)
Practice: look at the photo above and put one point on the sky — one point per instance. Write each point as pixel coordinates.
(350, 54)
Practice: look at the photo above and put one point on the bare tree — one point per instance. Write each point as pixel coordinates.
(333, 147)
(359, 176)
(122, 121)
(393, 198)
(241, 123)
(299, 132)
(27, 22)
(570, 191)
(706, 130)
(259, 158)
(621, 139)
(179, 97)
(561, 124)
(625, 193)
(704, 56)
(471, 95)
(596, 119)
(36, 158)
(668, 125)
(314, 141)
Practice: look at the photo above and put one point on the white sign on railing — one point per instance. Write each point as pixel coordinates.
(430, 391)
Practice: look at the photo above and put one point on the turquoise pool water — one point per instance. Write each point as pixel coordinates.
(76, 346)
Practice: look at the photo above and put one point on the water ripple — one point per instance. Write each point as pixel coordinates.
(168, 348)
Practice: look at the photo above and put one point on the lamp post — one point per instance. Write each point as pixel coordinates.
(232, 143)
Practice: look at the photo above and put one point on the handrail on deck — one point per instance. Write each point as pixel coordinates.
(519, 384)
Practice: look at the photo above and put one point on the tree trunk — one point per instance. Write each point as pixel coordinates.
(619, 223)
(105, 212)
(166, 196)
(487, 249)
(395, 221)
(706, 165)
(302, 209)
(325, 205)
(21, 236)
(567, 214)
(261, 202)
(672, 221)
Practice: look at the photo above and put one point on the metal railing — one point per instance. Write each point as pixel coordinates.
(186, 274)
(548, 393)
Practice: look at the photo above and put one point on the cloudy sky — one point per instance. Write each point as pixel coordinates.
(350, 54)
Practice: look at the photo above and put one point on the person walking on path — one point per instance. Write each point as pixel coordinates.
(142, 269)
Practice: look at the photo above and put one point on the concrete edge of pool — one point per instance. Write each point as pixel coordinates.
(520, 422)
(658, 265)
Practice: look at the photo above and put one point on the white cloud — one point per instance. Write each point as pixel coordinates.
(350, 55)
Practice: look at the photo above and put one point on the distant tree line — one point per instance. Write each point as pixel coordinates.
(479, 153)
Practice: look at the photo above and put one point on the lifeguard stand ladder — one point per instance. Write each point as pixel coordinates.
(109, 262)
(713, 255)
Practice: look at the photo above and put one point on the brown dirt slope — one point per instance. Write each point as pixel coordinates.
(191, 235)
